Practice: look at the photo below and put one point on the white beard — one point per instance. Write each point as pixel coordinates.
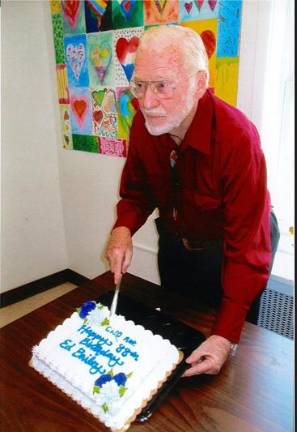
(174, 120)
(162, 129)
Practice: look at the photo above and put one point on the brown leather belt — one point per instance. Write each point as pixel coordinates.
(193, 245)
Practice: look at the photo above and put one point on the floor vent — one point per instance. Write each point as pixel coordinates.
(276, 312)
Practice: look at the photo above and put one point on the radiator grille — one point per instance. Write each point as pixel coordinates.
(276, 312)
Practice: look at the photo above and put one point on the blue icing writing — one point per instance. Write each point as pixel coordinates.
(97, 348)
(116, 333)
(124, 351)
(130, 341)
(87, 330)
(89, 360)
(67, 344)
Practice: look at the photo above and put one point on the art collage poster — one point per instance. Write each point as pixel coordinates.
(95, 43)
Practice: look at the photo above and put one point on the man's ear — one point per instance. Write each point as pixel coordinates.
(202, 80)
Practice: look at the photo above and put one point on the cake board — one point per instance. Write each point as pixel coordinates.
(185, 338)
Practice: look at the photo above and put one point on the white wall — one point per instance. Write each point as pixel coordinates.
(39, 175)
(33, 240)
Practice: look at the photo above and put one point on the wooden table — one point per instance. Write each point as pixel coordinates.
(253, 392)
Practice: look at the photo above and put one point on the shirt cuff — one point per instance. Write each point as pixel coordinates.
(230, 320)
(128, 221)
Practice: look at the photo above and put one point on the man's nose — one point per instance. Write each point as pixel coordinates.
(149, 99)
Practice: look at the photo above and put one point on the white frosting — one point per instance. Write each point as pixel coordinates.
(81, 350)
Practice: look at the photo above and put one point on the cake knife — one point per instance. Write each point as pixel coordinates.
(115, 299)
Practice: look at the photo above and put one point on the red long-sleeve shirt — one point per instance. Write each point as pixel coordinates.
(222, 195)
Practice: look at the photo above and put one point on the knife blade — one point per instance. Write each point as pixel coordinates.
(114, 302)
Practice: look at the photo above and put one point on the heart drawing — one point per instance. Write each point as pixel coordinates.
(126, 8)
(212, 4)
(71, 11)
(75, 55)
(101, 58)
(199, 4)
(188, 6)
(126, 50)
(79, 108)
(209, 40)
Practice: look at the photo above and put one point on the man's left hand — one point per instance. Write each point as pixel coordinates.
(209, 357)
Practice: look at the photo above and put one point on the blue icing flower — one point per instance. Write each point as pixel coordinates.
(120, 379)
(103, 379)
(86, 308)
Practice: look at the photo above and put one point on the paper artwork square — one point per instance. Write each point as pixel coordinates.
(160, 11)
(126, 108)
(62, 82)
(76, 60)
(100, 58)
(81, 111)
(127, 13)
(112, 147)
(125, 43)
(66, 126)
(74, 16)
(104, 112)
(58, 33)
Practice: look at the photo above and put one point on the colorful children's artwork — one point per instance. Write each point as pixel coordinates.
(125, 45)
(57, 22)
(95, 44)
(98, 15)
(112, 147)
(66, 126)
(74, 16)
(62, 84)
(126, 108)
(198, 9)
(161, 12)
(81, 111)
(229, 28)
(100, 58)
(127, 13)
(104, 113)
(88, 143)
(76, 60)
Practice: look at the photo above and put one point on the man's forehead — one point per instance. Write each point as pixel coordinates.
(154, 74)
(150, 66)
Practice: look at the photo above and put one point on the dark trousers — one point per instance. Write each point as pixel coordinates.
(197, 273)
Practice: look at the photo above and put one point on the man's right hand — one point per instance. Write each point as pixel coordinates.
(119, 252)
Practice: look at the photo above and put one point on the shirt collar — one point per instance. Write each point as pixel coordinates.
(199, 133)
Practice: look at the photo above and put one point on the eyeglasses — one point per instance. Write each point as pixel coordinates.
(163, 89)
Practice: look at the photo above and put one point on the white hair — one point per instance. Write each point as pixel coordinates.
(178, 39)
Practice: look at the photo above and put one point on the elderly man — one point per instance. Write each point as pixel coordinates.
(199, 161)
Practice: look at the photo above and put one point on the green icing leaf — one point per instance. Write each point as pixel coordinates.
(105, 322)
(100, 307)
(105, 407)
(85, 321)
(129, 375)
(96, 389)
(122, 390)
(110, 373)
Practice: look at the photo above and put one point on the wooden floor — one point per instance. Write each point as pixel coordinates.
(12, 312)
